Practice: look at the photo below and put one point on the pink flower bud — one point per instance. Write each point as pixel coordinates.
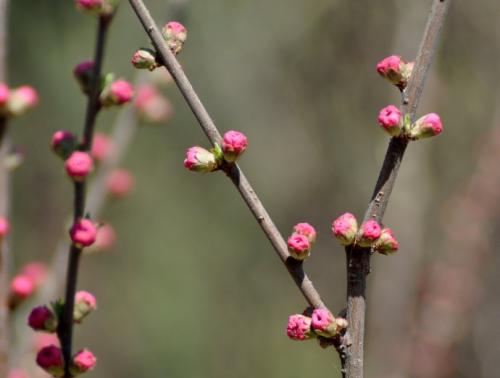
(199, 159)
(105, 239)
(175, 34)
(83, 233)
(233, 145)
(427, 126)
(307, 230)
(396, 70)
(117, 93)
(42, 319)
(22, 286)
(17, 373)
(299, 246)
(390, 119)
(4, 94)
(50, 359)
(97, 7)
(21, 100)
(323, 323)
(4, 227)
(63, 143)
(152, 106)
(37, 271)
(370, 232)
(79, 165)
(120, 182)
(386, 243)
(101, 147)
(299, 327)
(85, 303)
(83, 74)
(345, 228)
(144, 59)
(83, 361)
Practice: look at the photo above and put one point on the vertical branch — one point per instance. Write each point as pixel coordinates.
(65, 331)
(4, 208)
(358, 259)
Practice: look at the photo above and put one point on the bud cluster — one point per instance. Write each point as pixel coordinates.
(301, 240)
(199, 159)
(398, 72)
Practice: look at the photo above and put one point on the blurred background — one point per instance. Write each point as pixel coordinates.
(192, 287)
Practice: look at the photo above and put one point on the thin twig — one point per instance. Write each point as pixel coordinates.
(358, 259)
(65, 331)
(4, 205)
(235, 174)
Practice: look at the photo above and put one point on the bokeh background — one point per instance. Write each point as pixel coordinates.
(193, 288)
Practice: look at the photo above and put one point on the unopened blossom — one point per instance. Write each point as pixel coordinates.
(370, 232)
(386, 243)
(63, 143)
(83, 361)
(97, 7)
(50, 359)
(79, 165)
(198, 159)
(323, 323)
(118, 92)
(83, 73)
(120, 182)
(299, 246)
(83, 233)
(144, 59)
(427, 126)
(345, 228)
(307, 230)
(102, 146)
(36, 271)
(21, 100)
(390, 120)
(105, 239)
(151, 105)
(175, 34)
(234, 144)
(85, 303)
(396, 70)
(22, 286)
(43, 319)
(299, 327)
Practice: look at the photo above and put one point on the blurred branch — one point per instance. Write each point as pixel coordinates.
(65, 330)
(4, 205)
(235, 174)
(358, 259)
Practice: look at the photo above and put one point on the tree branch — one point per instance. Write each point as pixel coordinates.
(65, 331)
(358, 259)
(235, 174)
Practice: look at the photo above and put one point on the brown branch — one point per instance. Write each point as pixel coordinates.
(235, 174)
(4, 205)
(358, 259)
(65, 330)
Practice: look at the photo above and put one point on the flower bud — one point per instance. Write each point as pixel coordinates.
(427, 126)
(151, 105)
(4, 228)
(144, 59)
(299, 246)
(97, 7)
(22, 286)
(21, 100)
(307, 230)
(83, 233)
(345, 228)
(386, 243)
(79, 165)
(396, 70)
(105, 239)
(37, 271)
(370, 232)
(4, 95)
(101, 147)
(299, 327)
(233, 145)
(199, 159)
(120, 182)
(323, 323)
(83, 74)
(390, 120)
(175, 34)
(42, 319)
(118, 92)
(83, 361)
(63, 143)
(85, 303)
(50, 359)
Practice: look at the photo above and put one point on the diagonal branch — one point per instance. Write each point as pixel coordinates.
(235, 174)
(358, 259)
